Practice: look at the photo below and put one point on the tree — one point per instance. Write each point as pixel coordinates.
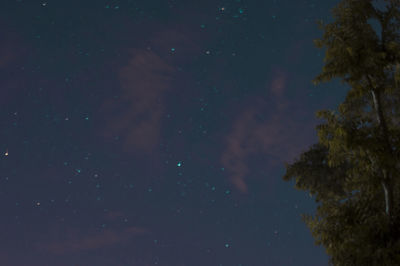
(353, 171)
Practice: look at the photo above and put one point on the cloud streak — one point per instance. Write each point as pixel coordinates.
(78, 243)
(12, 51)
(255, 132)
(150, 76)
(135, 116)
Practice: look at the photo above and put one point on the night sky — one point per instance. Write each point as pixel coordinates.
(155, 132)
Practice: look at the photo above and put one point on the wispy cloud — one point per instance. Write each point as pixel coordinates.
(12, 51)
(266, 127)
(77, 242)
(135, 115)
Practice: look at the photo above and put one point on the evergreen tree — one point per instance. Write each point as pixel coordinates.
(354, 170)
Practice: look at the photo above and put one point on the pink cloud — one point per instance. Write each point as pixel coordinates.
(10, 47)
(77, 243)
(7, 55)
(135, 116)
(272, 135)
(150, 75)
(278, 83)
(12, 51)
(114, 215)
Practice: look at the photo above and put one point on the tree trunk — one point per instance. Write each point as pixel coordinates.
(388, 190)
(386, 173)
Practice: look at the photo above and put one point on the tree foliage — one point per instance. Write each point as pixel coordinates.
(354, 169)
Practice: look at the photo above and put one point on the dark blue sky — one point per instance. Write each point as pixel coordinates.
(155, 132)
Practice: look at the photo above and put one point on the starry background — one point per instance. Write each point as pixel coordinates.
(155, 132)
